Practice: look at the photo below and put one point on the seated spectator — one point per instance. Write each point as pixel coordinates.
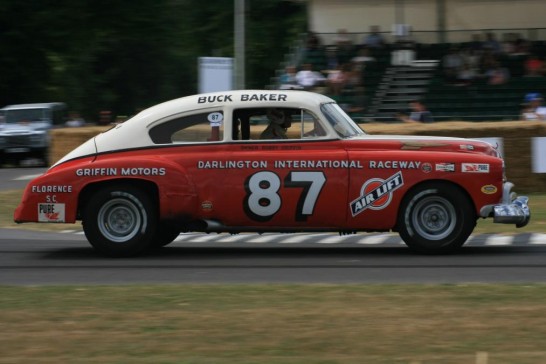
(476, 43)
(497, 75)
(419, 113)
(452, 63)
(358, 102)
(472, 58)
(343, 40)
(534, 66)
(288, 79)
(491, 43)
(374, 39)
(344, 45)
(332, 61)
(337, 79)
(309, 79)
(466, 75)
(74, 120)
(533, 109)
(313, 41)
(362, 58)
(508, 44)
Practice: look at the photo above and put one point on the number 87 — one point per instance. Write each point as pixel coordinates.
(262, 200)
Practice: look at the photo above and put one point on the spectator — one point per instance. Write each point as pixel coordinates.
(313, 41)
(466, 75)
(533, 109)
(534, 66)
(105, 117)
(491, 43)
(471, 57)
(337, 79)
(309, 79)
(476, 43)
(419, 113)
(74, 120)
(343, 40)
(497, 75)
(452, 63)
(332, 61)
(358, 102)
(362, 58)
(374, 39)
(288, 79)
(344, 46)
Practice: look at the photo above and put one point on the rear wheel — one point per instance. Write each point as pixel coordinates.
(436, 218)
(119, 220)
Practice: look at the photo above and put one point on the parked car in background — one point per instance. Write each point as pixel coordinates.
(269, 161)
(24, 130)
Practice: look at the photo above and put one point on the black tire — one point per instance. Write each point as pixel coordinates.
(436, 218)
(165, 234)
(119, 221)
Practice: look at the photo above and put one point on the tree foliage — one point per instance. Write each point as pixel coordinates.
(123, 56)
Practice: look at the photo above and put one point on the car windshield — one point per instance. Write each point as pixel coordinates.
(340, 121)
(25, 115)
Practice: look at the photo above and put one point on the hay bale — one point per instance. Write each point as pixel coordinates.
(516, 134)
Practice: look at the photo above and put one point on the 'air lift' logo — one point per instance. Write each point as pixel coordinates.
(376, 193)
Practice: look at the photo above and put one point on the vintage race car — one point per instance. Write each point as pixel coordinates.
(269, 161)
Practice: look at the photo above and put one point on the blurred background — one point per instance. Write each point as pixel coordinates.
(106, 60)
(120, 56)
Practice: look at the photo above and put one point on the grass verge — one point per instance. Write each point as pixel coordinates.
(273, 324)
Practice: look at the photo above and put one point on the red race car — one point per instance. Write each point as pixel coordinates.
(268, 161)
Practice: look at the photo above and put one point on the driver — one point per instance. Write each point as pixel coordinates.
(279, 122)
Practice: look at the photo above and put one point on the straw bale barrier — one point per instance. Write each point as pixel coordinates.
(516, 135)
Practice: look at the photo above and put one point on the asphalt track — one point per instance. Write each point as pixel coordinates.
(38, 258)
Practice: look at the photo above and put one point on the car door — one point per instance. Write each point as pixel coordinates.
(265, 183)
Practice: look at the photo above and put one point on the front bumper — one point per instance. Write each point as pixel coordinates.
(512, 209)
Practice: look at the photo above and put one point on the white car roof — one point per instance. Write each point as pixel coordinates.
(133, 130)
(133, 133)
(233, 99)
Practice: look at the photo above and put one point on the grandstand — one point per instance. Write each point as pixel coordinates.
(388, 89)
(435, 26)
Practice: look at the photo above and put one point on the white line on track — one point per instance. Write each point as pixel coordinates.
(538, 239)
(499, 240)
(374, 239)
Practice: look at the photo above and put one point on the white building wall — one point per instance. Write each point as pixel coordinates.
(327, 16)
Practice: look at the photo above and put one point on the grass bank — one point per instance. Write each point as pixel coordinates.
(274, 324)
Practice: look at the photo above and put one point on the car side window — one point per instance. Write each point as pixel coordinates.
(275, 124)
(311, 126)
(202, 127)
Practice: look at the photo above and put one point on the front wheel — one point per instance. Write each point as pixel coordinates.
(119, 220)
(436, 218)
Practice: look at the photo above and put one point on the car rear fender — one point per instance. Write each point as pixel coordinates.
(169, 183)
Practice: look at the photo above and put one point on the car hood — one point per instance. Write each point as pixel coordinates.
(423, 143)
